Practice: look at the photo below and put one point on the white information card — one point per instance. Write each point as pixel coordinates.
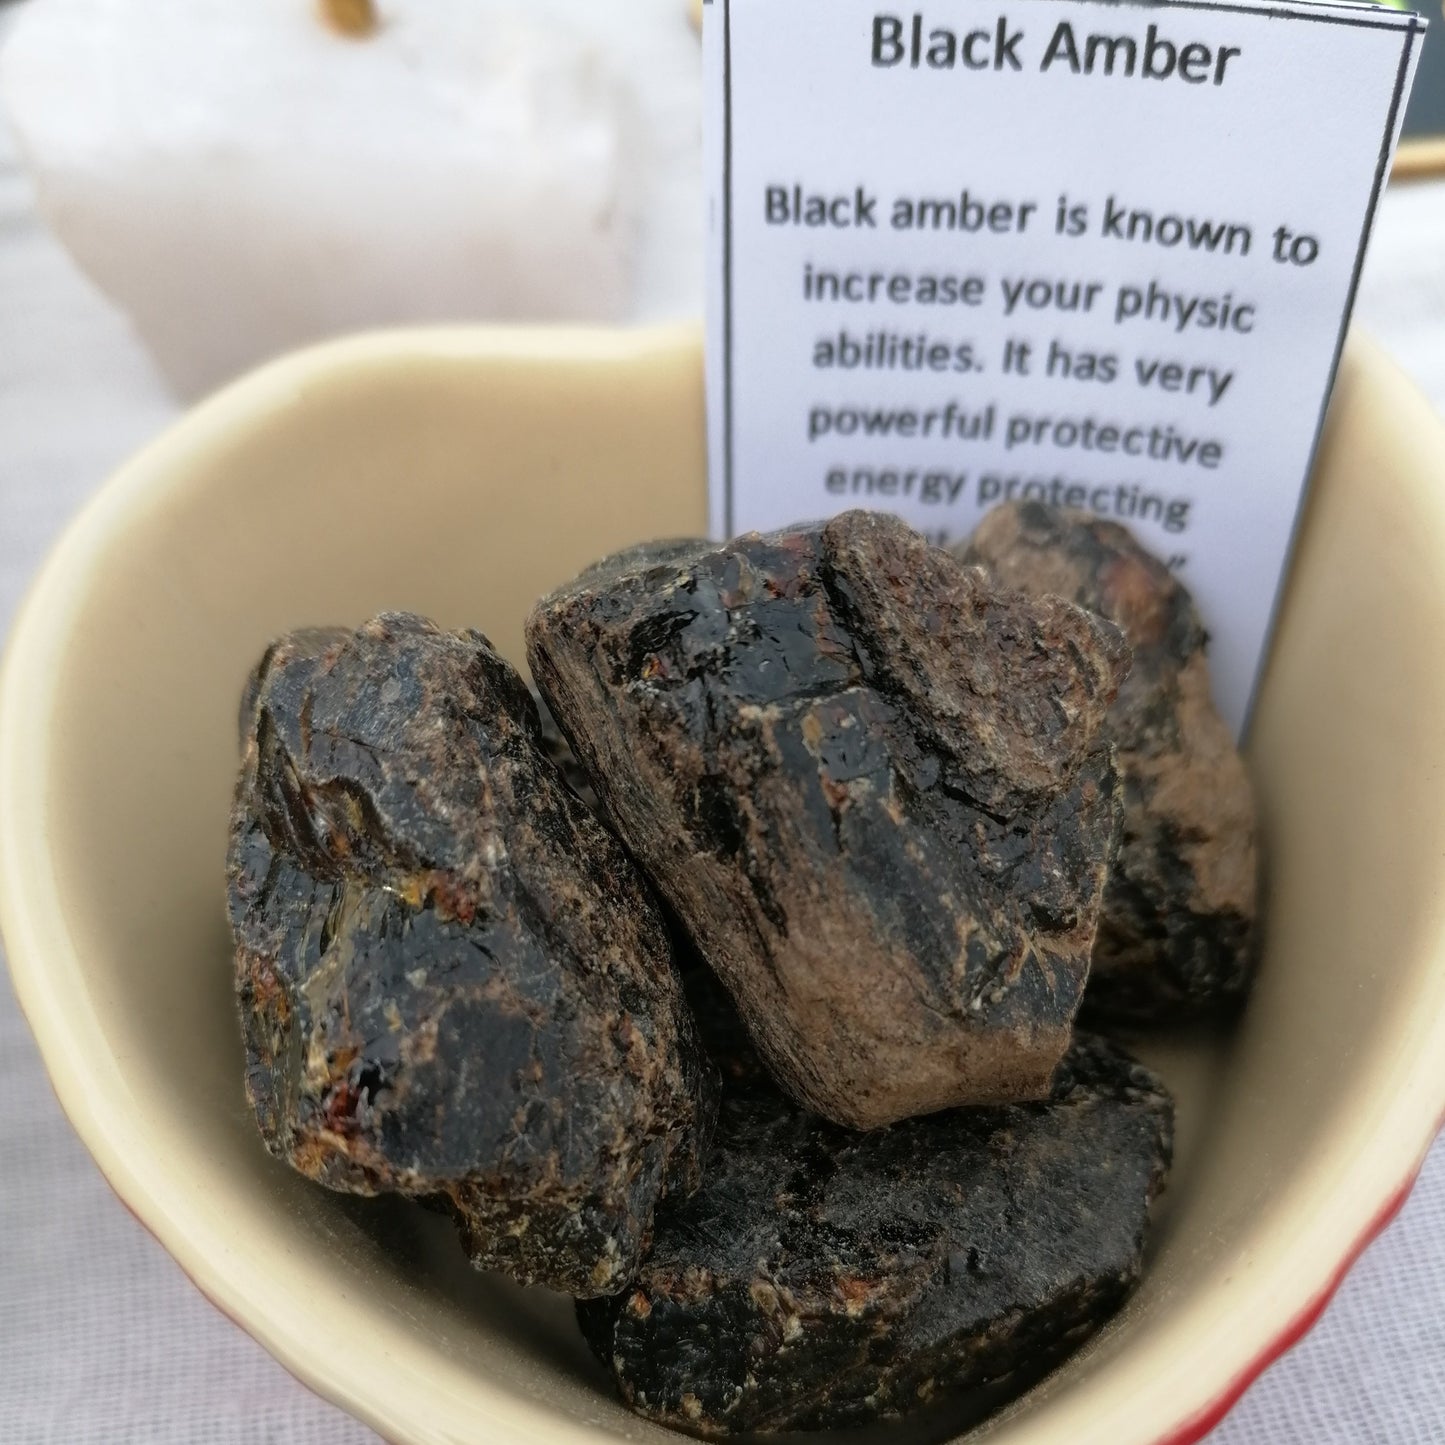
(1095, 254)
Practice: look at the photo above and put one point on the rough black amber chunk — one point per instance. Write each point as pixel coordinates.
(1177, 937)
(452, 981)
(825, 1278)
(872, 787)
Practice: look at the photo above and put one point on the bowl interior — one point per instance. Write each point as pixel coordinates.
(461, 474)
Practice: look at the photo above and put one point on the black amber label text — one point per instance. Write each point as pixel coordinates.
(917, 45)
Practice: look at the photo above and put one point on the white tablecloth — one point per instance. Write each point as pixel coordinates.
(102, 1339)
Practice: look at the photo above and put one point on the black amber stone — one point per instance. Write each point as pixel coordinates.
(825, 1278)
(871, 786)
(453, 983)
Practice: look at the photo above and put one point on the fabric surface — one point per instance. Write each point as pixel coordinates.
(103, 1341)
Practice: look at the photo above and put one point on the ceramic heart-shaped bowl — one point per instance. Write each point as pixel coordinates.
(462, 473)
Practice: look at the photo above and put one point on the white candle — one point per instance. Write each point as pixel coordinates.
(242, 178)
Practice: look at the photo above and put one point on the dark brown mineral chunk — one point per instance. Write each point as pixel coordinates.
(822, 1278)
(1177, 937)
(453, 983)
(873, 788)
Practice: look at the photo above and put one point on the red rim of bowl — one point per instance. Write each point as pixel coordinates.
(1194, 1430)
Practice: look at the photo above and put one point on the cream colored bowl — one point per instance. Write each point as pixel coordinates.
(462, 473)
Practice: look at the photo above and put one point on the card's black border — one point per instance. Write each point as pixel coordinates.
(727, 269)
(1270, 12)
(727, 248)
(1412, 26)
